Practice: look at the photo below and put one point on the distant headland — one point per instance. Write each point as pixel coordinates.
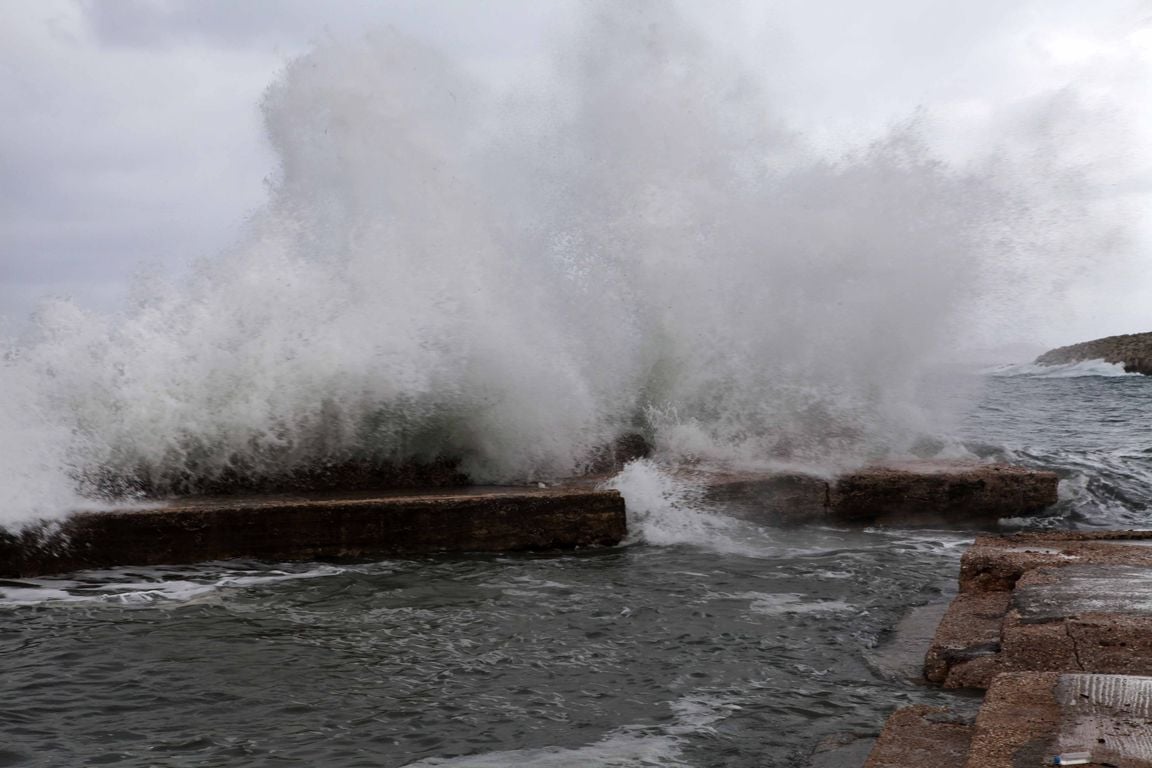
(1132, 350)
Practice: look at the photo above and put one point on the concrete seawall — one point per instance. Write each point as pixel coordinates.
(575, 514)
(321, 527)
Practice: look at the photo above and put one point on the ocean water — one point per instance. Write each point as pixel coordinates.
(705, 641)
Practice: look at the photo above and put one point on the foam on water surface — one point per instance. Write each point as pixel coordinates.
(1064, 371)
(146, 587)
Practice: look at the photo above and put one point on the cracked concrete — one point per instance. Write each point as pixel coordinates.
(1069, 601)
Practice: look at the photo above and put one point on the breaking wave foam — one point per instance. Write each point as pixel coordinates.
(1065, 371)
(441, 270)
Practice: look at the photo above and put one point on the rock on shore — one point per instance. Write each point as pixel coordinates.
(1132, 350)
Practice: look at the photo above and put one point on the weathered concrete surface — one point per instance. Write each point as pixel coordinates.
(923, 736)
(1095, 618)
(924, 493)
(1070, 601)
(965, 651)
(1108, 716)
(1026, 719)
(1132, 350)
(1018, 724)
(996, 562)
(311, 527)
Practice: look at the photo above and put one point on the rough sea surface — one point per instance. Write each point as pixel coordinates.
(736, 646)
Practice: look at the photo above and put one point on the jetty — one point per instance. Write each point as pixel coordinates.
(1056, 627)
(576, 513)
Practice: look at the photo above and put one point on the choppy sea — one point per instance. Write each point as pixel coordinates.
(740, 645)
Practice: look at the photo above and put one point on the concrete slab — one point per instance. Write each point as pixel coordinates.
(1053, 602)
(575, 513)
(914, 493)
(1050, 594)
(1108, 716)
(1018, 724)
(923, 736)
(996, 562)
(307, 527)
(1028, 718)
(941, 493)
(965, 651)
(1093, 618)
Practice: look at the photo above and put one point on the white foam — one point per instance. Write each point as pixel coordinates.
(1064, 371)
(639, 243)
(632, 746)
(668, 509)
(773, 604)
(107, 587)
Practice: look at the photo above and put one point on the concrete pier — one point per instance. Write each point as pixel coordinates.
(574, 513)
(1027, 719)
(906, 494)
(321, 527)
(1058, 602)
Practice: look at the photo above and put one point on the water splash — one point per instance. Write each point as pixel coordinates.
(442, 270)
(664, 508)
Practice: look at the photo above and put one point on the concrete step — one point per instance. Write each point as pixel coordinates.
(1028, 719)
(923, 736)
(1059, 602)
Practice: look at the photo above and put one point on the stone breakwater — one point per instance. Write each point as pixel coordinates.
(1132, 350)
(578, 513)
(1055, 626)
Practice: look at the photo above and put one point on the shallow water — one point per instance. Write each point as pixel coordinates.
(746, 647)
(635, 656)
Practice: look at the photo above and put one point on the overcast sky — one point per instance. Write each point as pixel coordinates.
(130, 133)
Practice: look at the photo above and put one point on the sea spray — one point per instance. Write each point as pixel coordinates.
(633, 244)
(664, 508)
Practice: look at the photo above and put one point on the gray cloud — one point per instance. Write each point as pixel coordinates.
(132, 133)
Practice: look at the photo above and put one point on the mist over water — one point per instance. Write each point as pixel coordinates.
(632, 241)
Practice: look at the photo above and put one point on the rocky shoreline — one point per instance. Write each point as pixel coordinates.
(1132, 350)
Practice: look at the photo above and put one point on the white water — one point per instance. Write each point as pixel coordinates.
(1064, 371)
(441, 269)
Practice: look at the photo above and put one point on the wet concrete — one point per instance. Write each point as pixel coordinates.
(1029, 718)
(1059, 602)
(1026, 719)
(905, 494)
(965, 650)
(1108, 716)
(996, 562)
(923, 736)
(1051, 594)
(901, 655)
(310, 527)
(574, 513)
